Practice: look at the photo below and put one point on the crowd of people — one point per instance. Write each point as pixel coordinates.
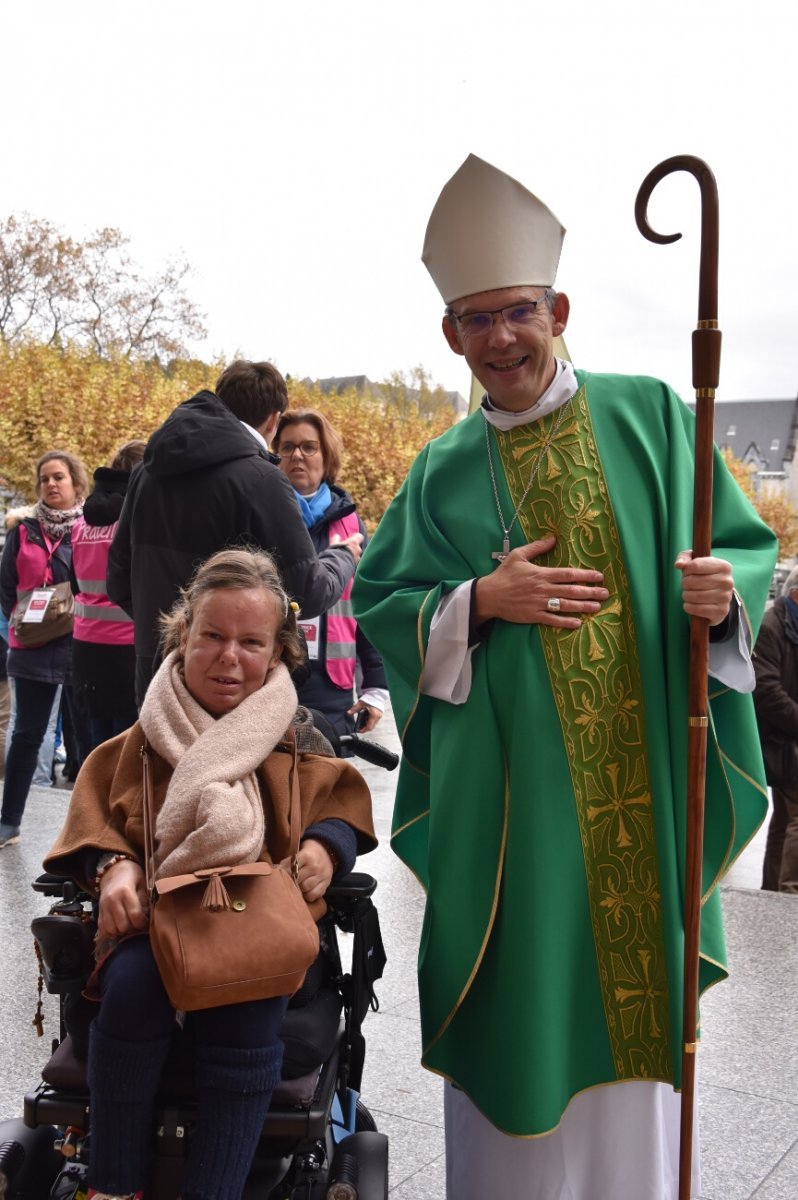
(529, 591)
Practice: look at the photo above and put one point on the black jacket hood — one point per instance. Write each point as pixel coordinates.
(201, 433)
(104, 504)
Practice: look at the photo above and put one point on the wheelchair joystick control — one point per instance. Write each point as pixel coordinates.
(12, 1156)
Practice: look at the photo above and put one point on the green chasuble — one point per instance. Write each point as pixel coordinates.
(545, 816)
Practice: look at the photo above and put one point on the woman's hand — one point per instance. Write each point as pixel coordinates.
(315, 869)
(124, 905)
(374, 715)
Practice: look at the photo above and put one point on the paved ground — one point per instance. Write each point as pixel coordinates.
(748, 1060)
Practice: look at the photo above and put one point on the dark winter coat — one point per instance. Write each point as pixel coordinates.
(206, 484)
(776, 695)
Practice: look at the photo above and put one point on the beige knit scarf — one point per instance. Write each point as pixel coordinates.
(212, 814)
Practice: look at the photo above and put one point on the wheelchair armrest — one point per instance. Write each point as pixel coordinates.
(355, 886)
(48, 884)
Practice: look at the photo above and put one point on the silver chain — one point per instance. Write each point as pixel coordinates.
(541, 458)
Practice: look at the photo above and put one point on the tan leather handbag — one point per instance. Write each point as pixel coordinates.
(224, 935)
(59, 617)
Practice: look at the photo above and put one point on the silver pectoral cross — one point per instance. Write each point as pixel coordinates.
(500, 555)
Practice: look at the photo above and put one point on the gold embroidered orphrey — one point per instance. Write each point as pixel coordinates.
(596, 681)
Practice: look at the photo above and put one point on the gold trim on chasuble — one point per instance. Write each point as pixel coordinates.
(598, 690)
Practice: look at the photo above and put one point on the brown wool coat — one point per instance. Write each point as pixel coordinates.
(105, 812)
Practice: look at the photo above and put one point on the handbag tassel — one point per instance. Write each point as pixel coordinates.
(215, 898)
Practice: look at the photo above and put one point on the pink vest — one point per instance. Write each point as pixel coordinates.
(96, 618)
(340, 652)
(33, 571)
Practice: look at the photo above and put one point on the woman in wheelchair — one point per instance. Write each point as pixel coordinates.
(220, 708)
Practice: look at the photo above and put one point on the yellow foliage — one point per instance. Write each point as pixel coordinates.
(776, 511)
(74, 400)
(742, 472)
(770, 502)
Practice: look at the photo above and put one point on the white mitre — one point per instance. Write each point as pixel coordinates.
(487, 231)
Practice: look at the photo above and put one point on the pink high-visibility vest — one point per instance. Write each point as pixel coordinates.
(340, 651)
(96, 618)
(33, 570)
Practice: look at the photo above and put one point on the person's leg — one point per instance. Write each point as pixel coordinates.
(34, 701)
(102, 729)
(238, 1062)
(145, 669)
(12, 712)
(788, 870)
(771, 867)
(128, 1045)
(76, 734)
(43, 775)
(5, 717)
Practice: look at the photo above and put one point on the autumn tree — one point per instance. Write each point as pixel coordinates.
(88, 404)
(59, 291)
(770, 501)
(75, 400)
(414, 392)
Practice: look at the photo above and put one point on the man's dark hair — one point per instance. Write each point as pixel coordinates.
(252, 391)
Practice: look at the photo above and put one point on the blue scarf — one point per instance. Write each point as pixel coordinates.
(314, 507)
(792, 609)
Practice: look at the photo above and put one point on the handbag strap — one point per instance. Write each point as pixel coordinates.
(149, 824)
(294, 812)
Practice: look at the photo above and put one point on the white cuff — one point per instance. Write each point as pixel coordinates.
(447, 666)
(730, 662)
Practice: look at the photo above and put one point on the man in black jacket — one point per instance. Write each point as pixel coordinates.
(776, 702)
(208, 481)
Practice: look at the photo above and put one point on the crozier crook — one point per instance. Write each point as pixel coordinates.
(706, 371)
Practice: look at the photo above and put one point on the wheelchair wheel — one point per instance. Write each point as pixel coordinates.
(364, 1121)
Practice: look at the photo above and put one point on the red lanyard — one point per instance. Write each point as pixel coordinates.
(51, 549)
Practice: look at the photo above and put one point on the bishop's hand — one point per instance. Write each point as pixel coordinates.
(522, 591)
(707, 586)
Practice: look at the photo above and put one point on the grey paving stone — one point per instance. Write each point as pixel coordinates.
(743, 1137)
(782, 1183)
(428, 1183)
(750, 1020)
(394, 1080)
(413, 1146)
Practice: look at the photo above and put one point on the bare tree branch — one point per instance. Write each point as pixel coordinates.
(54, 289)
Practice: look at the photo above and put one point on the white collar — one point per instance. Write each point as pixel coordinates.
(562, 387)
(258, 436)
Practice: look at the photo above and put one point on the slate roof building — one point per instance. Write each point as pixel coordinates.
(763, 433)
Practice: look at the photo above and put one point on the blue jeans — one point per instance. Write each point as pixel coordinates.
(34, 702)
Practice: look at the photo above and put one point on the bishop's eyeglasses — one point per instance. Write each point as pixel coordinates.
(515, 316)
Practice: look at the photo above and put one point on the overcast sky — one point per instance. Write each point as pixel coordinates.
(292, 153)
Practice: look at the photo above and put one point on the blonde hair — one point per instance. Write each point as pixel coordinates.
(235, 570)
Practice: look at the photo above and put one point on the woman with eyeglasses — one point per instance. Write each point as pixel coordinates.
(311, 450)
